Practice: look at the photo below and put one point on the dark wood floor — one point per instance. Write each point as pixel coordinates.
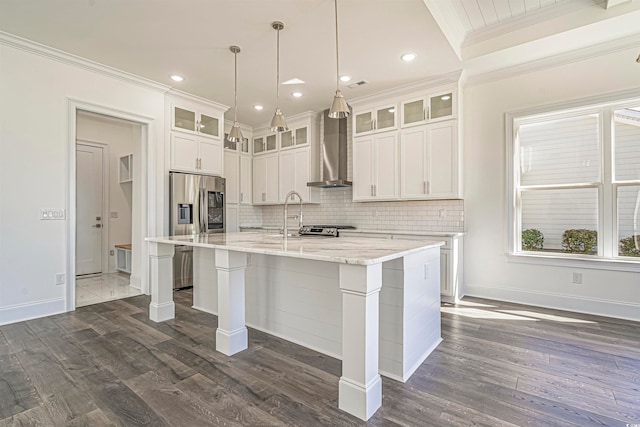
(499, 365)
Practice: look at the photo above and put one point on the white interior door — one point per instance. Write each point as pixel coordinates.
(89, 184)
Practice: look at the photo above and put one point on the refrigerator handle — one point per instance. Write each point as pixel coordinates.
(203, 210)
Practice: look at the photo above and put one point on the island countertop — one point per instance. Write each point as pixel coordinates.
(345, 250)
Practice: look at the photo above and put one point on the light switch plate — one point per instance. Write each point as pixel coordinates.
(113, 214)
(52, 214)
(60, 279)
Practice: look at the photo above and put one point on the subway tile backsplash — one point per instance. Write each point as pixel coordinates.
(337, 208)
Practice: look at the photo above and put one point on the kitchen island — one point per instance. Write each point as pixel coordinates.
(399, 331)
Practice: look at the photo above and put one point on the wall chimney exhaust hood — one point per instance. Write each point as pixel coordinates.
(334, 153)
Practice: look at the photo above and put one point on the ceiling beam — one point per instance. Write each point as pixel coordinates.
(447, 19)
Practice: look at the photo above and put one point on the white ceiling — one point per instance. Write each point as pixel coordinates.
(155, 39)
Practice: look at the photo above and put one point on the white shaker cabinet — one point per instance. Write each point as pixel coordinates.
(377, 119)
(375, 167)
(429, 161)
(195, 134)
(232, 177)
(294, 169)
(265, 179)
(191, 153)
(428, 108)
(246, 181)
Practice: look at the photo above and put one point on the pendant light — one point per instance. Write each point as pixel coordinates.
(339, 109)
(277, 123)
(235, 134)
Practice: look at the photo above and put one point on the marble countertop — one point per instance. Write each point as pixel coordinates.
(362, 230)
(345, 250)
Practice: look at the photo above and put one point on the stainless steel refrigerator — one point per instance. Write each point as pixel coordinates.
(196, 207)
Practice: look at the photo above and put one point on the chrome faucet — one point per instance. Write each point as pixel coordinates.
(286, 216)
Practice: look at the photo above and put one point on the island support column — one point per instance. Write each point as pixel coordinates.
(162, 306)
(231, 335)
(360, 387)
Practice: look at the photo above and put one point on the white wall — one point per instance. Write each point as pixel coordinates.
(488, 272)
(34, 168)
(123, 138)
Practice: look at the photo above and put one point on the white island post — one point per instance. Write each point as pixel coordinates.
(360, 262)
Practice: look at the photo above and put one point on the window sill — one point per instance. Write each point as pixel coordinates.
(558, 260)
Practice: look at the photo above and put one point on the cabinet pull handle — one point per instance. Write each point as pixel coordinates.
(428, 114)
(424, 187)
(241, 196)
(428, 187)
(424, 114)
(198, 126)
(375, 190)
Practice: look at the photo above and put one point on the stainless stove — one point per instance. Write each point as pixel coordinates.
(324, 230)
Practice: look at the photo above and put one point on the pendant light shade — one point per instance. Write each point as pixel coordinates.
(235, 134)
(339, 108)
(278, 123)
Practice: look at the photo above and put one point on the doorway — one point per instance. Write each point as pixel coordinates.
(106, 150)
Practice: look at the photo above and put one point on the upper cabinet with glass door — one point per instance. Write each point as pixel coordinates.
(187, 119)
(429, 108)
(379, 119)
(295, 136)
(265, 143)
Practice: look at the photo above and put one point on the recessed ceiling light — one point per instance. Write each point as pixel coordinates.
(293, 81)
(446, 97)
(177, 78)
(258, 107)
(408, 57)
(345, 78)
(297, 94)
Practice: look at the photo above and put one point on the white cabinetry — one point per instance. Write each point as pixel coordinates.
(265, 179)
(294, 174)
(433, 107)
(451, 266)
(375, 172)
(429, 161)
(246, 181)
(232, 177)
(376, 119)
(192, 153)
(195, 135)
(296, 161)
(419, 160)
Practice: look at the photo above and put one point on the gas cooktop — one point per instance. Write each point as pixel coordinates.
(324, 230)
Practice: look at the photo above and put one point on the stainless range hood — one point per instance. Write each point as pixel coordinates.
(334, 153)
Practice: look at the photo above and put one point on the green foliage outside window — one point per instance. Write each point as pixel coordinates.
(580, 241)
(630, 246)
(532, 240)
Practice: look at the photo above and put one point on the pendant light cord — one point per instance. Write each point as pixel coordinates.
(278, 69)
(235, 86)
(337, 60)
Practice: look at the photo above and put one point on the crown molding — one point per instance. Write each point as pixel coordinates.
(421, 85)
(195, 98)
(577, 55)
(20, 43)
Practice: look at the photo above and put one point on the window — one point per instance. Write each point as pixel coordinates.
(576, 183)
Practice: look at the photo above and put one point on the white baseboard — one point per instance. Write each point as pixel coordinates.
(33, 310)
(578, 304)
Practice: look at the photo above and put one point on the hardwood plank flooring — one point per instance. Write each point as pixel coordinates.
(500, 364)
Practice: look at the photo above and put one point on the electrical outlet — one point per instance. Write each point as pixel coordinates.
(576, 278)
(60, 279)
